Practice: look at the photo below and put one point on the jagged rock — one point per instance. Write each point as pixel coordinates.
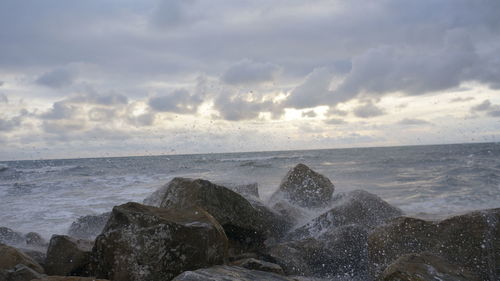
(340, 252)
(10, 257)
(10, 237)
(233, 273)
(356, 207)
(68, 256)
(19, 273)
(424, 267)
(147, 243)
(290, 212)
(471, 241)
(248, 224)
(36, 255)
(305, 187)
(34, 239)
(246, 190)
(256, 264)
(68, 278)
(88, 227)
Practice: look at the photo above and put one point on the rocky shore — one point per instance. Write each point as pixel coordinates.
(193, 230)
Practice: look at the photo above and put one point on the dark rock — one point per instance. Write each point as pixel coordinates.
(246, 190)
(424, 267)
(88, 227)
(10, 257)
(68, 256)
(10, 237)
(340, 252)
(248, 224)
(304, 187)
(357, 207)
(156, 197)
(471, 241)
(35, 239)
(69, 278)
(37, 256)
(292, 213)
(20, 273)
(256, 264)
(147, 243)
(226, 273)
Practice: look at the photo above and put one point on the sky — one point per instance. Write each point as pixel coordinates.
(101, 78)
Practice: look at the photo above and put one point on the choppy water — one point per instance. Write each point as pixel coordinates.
(47, 195)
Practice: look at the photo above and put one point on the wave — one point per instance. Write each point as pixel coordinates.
(3, 167)
(260, 158)
(53, 169)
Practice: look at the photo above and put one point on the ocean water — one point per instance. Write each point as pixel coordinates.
(46, 196)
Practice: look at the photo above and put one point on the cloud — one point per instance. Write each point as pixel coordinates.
(177, 101)
(337, 112)
(249, 72)
(413, 121)
(314, 91)
(7, 125)
(60, 110)
(335, 121)
(368, 110)
(487, 107)
(3, 98)
(484, 106)
(172, 13)
(459, 99)
(309, 113)
(57, 78)
(237, 107)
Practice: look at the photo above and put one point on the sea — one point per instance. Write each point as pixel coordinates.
(434, 181)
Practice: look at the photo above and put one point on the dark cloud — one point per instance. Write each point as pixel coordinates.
(413, 121)
(10, 124)
(250, 72)
(337, 112)
(484, 106)
(178, 101)
(459, 99)
(335, 121)
(172, 13)
(3, 98)
(236, 107)
(57, 78)
(60, 110)
(314, 91)
(368, 110)
(487, 107)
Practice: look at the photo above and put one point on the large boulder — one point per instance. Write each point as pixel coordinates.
(246, 223)
(68, 256)
(304, 187)
(20, 272)
(255, 264)
(36, 255)
(356, 207)
(233, 273)
(88, 227)
(340, 252)
(471, 241)
(35, 240)
(147, 243)
(10, 257)
(424, 267)
(10, 237)
(68, 278)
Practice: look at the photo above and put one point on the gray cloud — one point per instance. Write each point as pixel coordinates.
(57, 78)
(335, 121)
(309, 113)
(413, 121)
(178, 101)
(314, 91)
(10, 124)
(60, 110)
(368, 110)
(337, 112)
(3, 98)
(459, 99)
(236, 108)
(172, 13)
(484, 106)
(250, 72)
(487, 107)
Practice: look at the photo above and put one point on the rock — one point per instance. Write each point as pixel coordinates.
(147, 243)
(471, 241)
(423, 267)
(225, 273)
(248, 224)
(88, 227)
(10, 237)
(68, 278)
(156, 197)
(10, 257)
(356, 207)
(304, 187)
(256, 264)
(37, 256)
(68, 256)
(34, 239)
(340, 252)
(250, 190)
(20, 273)
(292, 213)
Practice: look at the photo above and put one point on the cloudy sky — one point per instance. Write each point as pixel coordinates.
(125, 77)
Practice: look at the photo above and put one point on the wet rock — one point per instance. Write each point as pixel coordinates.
(20, 273)
(248, 224)
(37, 256)
(339, 252)
(233, 273)
(357, 207)
(246, 190)
(68, 278)
(304, 187)
(10, 237)
(68, 256)
(256, 264)
(10, 257)
(88, 227)
(35, 239)
(471, 241)
(423, 267)
(147, 243)
(156, 197)
(290, 212)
